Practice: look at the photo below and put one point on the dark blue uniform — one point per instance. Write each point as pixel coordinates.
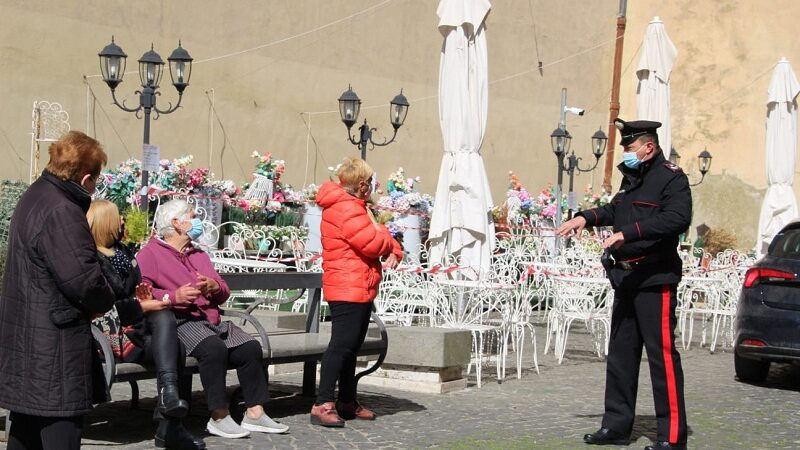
(652, 208)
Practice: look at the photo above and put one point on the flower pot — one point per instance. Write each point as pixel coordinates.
(312, 217)
(411, 224)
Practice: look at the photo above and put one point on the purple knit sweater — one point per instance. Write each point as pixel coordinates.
(168, 269)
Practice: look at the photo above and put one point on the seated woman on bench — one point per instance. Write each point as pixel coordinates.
(140, 328)
(184, 276)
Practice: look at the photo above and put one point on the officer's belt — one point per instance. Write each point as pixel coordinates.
(632, 263)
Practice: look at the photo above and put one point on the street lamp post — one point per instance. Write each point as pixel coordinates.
(349, 107)
(112, 66)
(705, 162)
(560, 141)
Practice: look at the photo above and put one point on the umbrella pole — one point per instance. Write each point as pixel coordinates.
(614, 106)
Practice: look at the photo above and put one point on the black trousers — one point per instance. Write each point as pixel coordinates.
(645, 317)
(213, 358)
(349, 324)
(44, 433)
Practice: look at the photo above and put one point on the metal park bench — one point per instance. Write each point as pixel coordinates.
(305, 346)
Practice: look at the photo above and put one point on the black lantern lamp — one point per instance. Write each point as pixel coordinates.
(560, 141)
(112, 64)
(705, 161)
(674, 156)
(398, 108)
(180, 67)
(150, 67)
(705, 165)
(349, 106)
(599, 140)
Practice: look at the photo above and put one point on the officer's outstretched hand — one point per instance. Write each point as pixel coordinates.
(614, 241)
(576, 225)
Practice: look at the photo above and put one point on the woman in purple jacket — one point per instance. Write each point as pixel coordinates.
(185, 276)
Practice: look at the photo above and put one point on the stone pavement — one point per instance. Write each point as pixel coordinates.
(551, 410)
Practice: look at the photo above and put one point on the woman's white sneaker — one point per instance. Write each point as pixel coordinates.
(227, 428)
(263, 425)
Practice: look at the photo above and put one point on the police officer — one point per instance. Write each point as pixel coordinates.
(652, 208)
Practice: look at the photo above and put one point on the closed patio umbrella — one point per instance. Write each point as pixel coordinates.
(652, 93)
(779, 206)
(461, 228)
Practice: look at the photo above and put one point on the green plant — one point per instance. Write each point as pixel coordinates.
(137, 229)
(10, 192)
(287, 218)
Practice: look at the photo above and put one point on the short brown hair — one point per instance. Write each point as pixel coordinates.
(103, 217)
(353, 171)
(74, 155)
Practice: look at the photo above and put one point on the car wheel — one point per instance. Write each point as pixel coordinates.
(750, 370)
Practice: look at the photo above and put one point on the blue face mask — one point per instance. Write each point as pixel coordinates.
(197, 229)
(630, 160)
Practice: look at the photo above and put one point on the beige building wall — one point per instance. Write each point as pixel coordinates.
(303, 54)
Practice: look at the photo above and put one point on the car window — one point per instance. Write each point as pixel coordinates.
(786, 245)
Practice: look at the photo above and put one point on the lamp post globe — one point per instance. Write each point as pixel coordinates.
(112, 64)
(674, 156)
(560, 140)
(705, 161)
(349, 106)
(599, 140)
(150, 68)
(398, 108)
(180, 68)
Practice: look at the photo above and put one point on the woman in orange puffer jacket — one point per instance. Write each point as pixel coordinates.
(352, 245)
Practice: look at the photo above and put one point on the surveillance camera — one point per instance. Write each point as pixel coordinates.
(574, 110)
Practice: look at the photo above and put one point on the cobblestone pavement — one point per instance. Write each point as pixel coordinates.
(551, 410)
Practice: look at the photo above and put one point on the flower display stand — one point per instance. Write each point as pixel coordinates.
(312, 217)
(411, 225)
(212, 207)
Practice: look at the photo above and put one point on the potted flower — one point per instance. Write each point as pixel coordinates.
(410, 209)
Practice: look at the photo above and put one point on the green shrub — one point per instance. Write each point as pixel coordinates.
(137, 229)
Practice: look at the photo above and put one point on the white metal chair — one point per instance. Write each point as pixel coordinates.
(582, 299)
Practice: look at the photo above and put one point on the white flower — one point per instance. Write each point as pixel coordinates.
(255, 154)
(413, 198)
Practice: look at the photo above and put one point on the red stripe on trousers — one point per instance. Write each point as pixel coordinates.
(666, 346)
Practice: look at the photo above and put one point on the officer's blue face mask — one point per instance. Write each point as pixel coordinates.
(630, 160)
(197, 229)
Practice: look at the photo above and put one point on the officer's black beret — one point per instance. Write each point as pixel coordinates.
(630, 131)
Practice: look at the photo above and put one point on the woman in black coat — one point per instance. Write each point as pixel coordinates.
(52, 286)
(141, 329)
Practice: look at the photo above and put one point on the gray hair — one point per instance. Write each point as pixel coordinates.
(173, 209)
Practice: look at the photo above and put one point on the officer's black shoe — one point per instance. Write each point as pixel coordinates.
(169, 402)
(171, 434)
(661, 445)
(604, 436)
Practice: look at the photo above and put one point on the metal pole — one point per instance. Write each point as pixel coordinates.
(147, 99)
(364, 136)
(562, 123)
(614, 106)
(571, 200)
(143, 206)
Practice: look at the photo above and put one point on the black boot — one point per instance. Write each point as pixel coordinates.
(172, 434)
(170, 403)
